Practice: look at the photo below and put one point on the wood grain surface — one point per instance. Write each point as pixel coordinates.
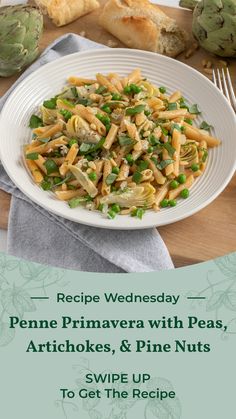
(212, 231)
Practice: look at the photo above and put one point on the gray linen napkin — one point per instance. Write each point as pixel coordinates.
(67, 244)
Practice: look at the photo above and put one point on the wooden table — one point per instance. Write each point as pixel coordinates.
(209, 233)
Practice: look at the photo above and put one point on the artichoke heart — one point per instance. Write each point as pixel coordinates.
(84, 180)
(189, 154)
(214, 26)
(78, 127)
(49, 116)
(20, 30)
(138, 196)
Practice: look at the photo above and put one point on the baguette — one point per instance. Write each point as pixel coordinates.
(142, 25)
(63, 12)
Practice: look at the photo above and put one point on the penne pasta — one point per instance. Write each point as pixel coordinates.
(111, 137)
(117, 145)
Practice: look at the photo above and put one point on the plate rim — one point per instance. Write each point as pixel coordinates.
(112, 226)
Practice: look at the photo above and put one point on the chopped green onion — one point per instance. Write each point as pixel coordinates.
(35, 121)
(147, 113)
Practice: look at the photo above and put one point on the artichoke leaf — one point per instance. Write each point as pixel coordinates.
(78, 127)
(138, 196)
(84, 180)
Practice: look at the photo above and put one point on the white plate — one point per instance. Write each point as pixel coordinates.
(49, 79)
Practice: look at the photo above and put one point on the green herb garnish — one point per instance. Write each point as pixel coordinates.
(32, 156)
(51, 166)
(35, 121)
(135, 110)
(111, 178)
(51, 103)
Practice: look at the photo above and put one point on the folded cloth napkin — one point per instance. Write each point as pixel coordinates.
(40, 236)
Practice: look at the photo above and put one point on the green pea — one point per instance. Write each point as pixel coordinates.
(116, 96)
(115, 170)
(184, 193)
(164, 203)
(135, 89)
(174, 184)
(182, 178)
(115, 208)
(127, 90)
(106, 109)
(195, 167)
(129, 158)
(150, 149)
(172, 203)
(162, 89)
(92, 176)
(57, 180)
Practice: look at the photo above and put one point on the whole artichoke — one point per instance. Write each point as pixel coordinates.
(214, 25)
(20, 30)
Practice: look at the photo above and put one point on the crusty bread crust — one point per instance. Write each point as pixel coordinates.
(142, 25)
(63, 12)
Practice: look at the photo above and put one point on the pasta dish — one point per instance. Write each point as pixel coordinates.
(119, 145)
